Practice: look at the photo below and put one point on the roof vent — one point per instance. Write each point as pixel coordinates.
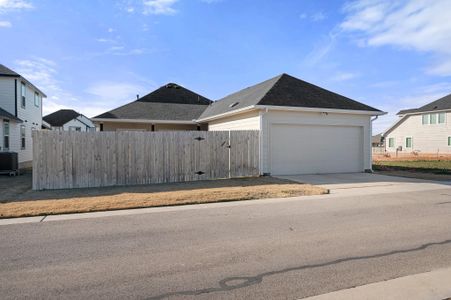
(172, 86)
(234, 104)
(435, 107)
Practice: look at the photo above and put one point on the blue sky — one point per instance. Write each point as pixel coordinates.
(98, 54)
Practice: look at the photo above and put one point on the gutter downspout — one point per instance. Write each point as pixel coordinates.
(371, 142)
(260, 148)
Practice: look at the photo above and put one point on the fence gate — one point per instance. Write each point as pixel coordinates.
(94, 159)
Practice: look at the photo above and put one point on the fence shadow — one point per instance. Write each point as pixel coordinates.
(19, 188)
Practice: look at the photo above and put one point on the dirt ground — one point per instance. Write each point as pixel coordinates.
(17, 199)
(422, 166)
(409, 157)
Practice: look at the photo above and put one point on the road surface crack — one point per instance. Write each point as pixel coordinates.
(233, 283)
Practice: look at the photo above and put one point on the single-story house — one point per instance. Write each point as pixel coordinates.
(304, 129)
(171, 107)
(426, 129)
(67, 120)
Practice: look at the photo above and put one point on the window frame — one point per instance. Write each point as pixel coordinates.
(391, 142)
(423, 119)
(411, 142)
(23, 137)
(6, 135)
(449, 141)
(444, 118)
(435, 119)
(36, 99)
(23, 94)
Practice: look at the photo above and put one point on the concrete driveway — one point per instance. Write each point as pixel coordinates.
(349, 182)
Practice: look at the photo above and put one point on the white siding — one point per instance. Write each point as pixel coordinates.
(85, 124)
(243, 121)
(31, 116)
(427, 138)
(7, 95)
(314, 118)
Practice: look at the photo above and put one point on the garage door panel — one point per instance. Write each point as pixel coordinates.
(313, 149)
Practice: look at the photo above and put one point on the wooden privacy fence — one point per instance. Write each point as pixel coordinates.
(94, 159)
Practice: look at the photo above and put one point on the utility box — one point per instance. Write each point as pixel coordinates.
(9, 163)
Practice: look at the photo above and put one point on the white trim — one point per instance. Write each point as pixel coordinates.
(106, 120)
(294, 108)
(424, 112)
(226, 114)
(325, 110)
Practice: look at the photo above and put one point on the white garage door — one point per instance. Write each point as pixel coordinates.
(312, 149)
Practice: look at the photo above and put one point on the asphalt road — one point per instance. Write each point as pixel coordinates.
(285, 249)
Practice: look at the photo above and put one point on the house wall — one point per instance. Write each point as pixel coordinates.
(85, 124)
(30, 114)
(312, 118)
(7, 94)
(261, 120)
(243, 121)
(115, 126)
(427, 138)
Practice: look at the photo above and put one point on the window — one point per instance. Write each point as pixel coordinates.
(22, 136)
(441, 118)
(425, 119)
(391, 142)
(409, 142)
(74, 128)
(36, 99)
(23, 93)
(449, 141)
(6, 135)
(433, 118)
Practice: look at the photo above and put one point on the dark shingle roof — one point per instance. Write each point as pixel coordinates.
(5, 114)
(4, 71)
(61, 117)
(169, 102)
(155, 111)
(407, 111)
(284, 90)
(440, 104)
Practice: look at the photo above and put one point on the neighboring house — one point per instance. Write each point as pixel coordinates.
(68, 120)
(377, 140)
(171, 107)
(304, 129)
(426, 129)
(20, 114)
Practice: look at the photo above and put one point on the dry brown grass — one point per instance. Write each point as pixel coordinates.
(410, 157)
(21, 202)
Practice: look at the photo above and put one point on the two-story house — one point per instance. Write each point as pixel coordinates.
(426, 129)
(68, 120)
(20, 114)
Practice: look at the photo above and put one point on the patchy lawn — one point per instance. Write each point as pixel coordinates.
(18, 200)
(424, 169)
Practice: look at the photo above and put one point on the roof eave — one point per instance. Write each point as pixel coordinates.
(227, 114)
(144, 121)
(423, 112)
(319, 109)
